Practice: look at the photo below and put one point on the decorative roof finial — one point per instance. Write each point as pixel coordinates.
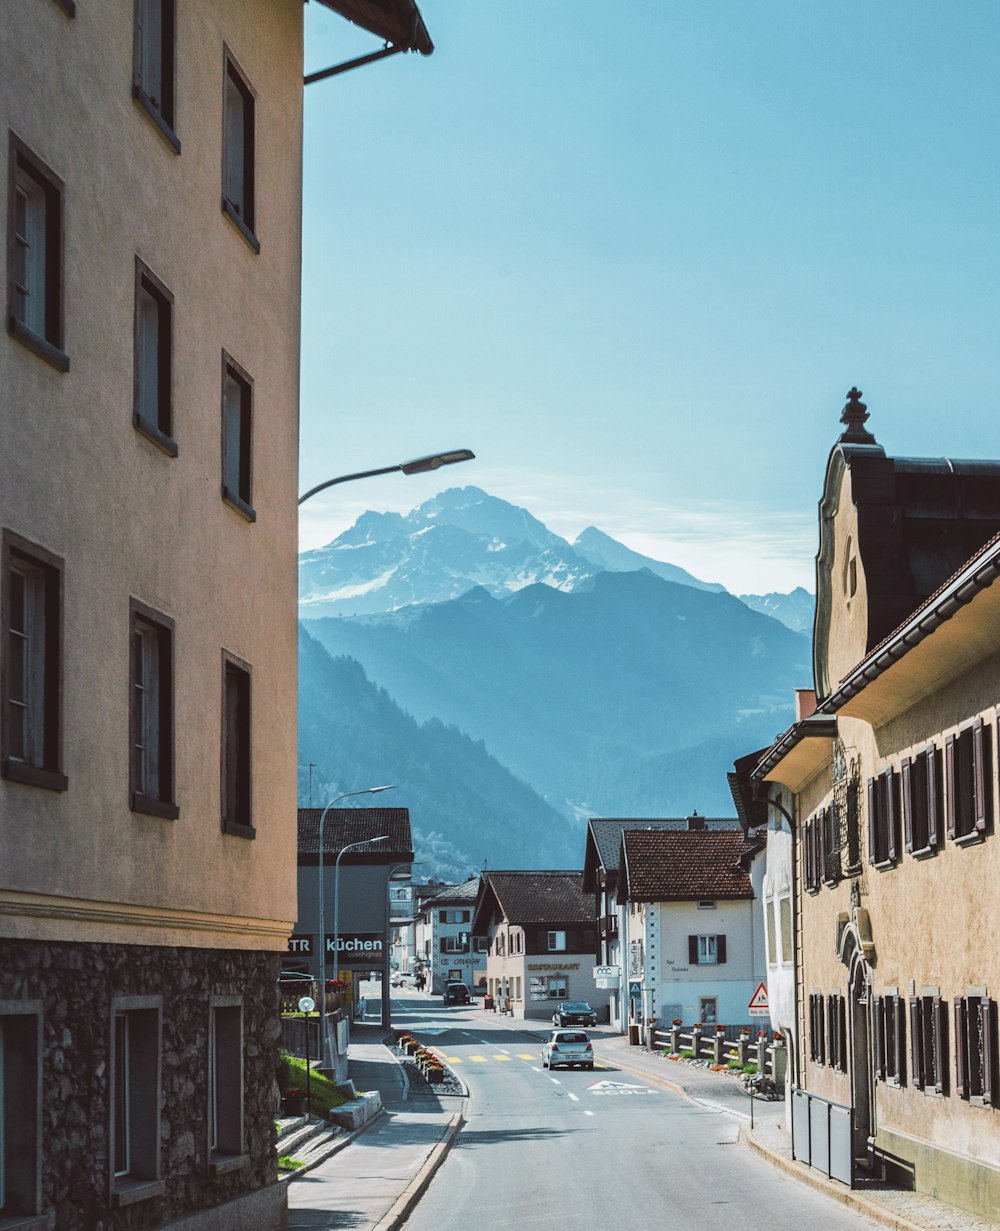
(854, 415)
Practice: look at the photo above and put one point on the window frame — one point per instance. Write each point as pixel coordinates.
(889, 1053)
(968, 783)
(161, 432)
(162, 114)
(975, 1022)
(143, 1178)
(21, 1155)
(238, 828)
(716, 948)
(231, 370)
(243, 215)
(50, 344)
(884, 808)
(226, 1150)
(163, 804)
(556, 947)
(929, 1042)
(50, 775)
(921, 795)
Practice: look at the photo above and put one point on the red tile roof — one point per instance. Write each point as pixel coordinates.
(537, 897)
(665, 866)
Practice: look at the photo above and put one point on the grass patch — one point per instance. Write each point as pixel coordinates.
(287, 1163)
(292, 1075)
(749, 1068)
(686, 1053)
(735, 1064)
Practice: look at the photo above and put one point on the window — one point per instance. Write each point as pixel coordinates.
(557, 942)
(153, 81)
(853, 827)
(785, 919)
(706, 950)
(20, 1107)
(237, 410)
(921, 797)
(35, 257)
(976, 1048)
(830, 844)
(708, 1010)
(968, 783)
(883, 819)
(151, 713)
(455, 944)
(31, 719)
(135, 1099)
(236, 752)
(546, 987)
(929, 1042)
(238, 107)
(152, 407)
(889, 1038)
(772, 932)
(481, 944)
(836, 1016)
(817, 1028)
(225, 1082)
(706, 906)
(454, 916)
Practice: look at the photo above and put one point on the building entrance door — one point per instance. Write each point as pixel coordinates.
(862, 1067)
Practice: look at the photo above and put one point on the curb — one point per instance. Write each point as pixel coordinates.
(336, 1146)
(845, 1196)
(403, 1206)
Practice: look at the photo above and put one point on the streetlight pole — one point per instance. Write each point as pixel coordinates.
(336, 895)
(419, 465)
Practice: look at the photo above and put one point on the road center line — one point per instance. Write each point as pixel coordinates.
(555, 1081)
(588, 1113)
(574, 1097)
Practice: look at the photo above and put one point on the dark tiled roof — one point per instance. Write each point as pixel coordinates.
(345, 826)
(607, 831)
(540, 897)
(664, 866)
(465, 893)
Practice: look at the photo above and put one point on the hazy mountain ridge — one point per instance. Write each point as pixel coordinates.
(796, 610)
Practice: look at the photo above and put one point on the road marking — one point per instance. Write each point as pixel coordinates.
(535, 1068)
(526, 1055)
(501, 1057)
(478, 1059)
(555, 1081)
(588, 1113)
(574, 1097)
(454, 1059)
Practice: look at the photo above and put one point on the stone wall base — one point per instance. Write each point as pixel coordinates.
(264, 1210)
(970, 1183)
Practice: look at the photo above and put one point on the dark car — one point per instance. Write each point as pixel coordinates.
(574, 1013)
(456, 993)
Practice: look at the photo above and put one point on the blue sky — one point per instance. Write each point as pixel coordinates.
(635, 255)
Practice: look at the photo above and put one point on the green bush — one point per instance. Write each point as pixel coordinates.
(686, 1053)
(292, 1076)
(287, 1163)
(749, 1068)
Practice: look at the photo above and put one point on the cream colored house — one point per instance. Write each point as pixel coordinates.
(889, 788)
(148, 478)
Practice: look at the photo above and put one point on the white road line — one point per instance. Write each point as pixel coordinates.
(555, 1081)
(574, 1097)
(504, 1050)
(588, 1113)
(535, 1068)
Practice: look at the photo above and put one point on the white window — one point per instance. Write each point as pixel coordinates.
(29, 251)
(26, 665)
(146, 713)
(785, 922)
(557, 942)
(707, 951)
(772, 932)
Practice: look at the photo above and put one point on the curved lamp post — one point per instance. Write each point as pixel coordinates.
(419, 465)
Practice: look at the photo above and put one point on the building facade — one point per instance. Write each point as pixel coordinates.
(694, 943)
(890, 786)
(541, 934)
(148, 470)
(447, 948)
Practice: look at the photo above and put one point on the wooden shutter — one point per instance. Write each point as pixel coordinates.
(961, 1038)
(720, 950)
(692, 950)
(906, 781)
(872, 793)
(891, 816)
(880, 1038)
(821, 845)
(939, 1043)
(980, 783)
(898, 1039)
(950, 786)
(933, 799)
(916, 1044)
(812, 1026)
(989, 1039)
(842, 1015)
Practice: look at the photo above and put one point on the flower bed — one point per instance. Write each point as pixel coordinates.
(426, 1072)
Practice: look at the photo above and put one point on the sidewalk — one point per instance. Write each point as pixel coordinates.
(770, 1136)
(377, 1179)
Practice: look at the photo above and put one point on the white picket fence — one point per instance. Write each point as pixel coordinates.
(759, 1048)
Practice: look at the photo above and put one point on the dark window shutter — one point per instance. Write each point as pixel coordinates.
(821, 846)
(989, 1019)
(898, 1039)
(939, 1043)
(891, 815)
(812, 1026)
(933, 799)
(961, 1059)
(720, 950)
(880, 1038)
(872, 793)
(980, 782)
(916, 1045)
(692, 950)
(950, 785)
(842, 1012)
(833, 847)
(907, 794)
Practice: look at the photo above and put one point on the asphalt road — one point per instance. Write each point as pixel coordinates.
(574, 1149)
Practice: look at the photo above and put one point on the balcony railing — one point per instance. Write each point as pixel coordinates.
(609, 925)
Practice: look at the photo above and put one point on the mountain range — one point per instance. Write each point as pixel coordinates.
(514, 683)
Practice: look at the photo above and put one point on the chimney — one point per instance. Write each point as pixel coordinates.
(805, 703)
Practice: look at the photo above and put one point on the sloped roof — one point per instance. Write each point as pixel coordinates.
(533, 897)
(345, 826)
(604, 839)
(397, 21)
(666, 866)
(464, 894)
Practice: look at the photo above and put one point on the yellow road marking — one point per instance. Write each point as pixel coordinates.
(453, 1059)
(526, 1055)
(478, 1059)
(501, 1057)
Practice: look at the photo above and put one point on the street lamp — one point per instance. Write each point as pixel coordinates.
(419, 465)
(336, 896)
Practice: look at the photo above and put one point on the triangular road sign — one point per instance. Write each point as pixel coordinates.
(759, 999)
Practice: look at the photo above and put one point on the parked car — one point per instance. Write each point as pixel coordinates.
(456, 993)
(567, 1049)
(574, 1013)
(402, 978)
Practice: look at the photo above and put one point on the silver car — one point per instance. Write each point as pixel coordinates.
(567, 1048)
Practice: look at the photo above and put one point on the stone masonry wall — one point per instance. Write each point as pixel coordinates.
(76, 983)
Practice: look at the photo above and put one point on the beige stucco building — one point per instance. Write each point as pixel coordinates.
(890, 789)
(148, 471)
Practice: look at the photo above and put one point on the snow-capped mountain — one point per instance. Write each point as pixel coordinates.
(600, 549)
(795, 610)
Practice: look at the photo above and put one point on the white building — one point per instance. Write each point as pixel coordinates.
(445, 946)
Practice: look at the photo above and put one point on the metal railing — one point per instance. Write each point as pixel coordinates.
(823, 1135)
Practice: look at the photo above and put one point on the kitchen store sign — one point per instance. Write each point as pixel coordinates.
(353, 948)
